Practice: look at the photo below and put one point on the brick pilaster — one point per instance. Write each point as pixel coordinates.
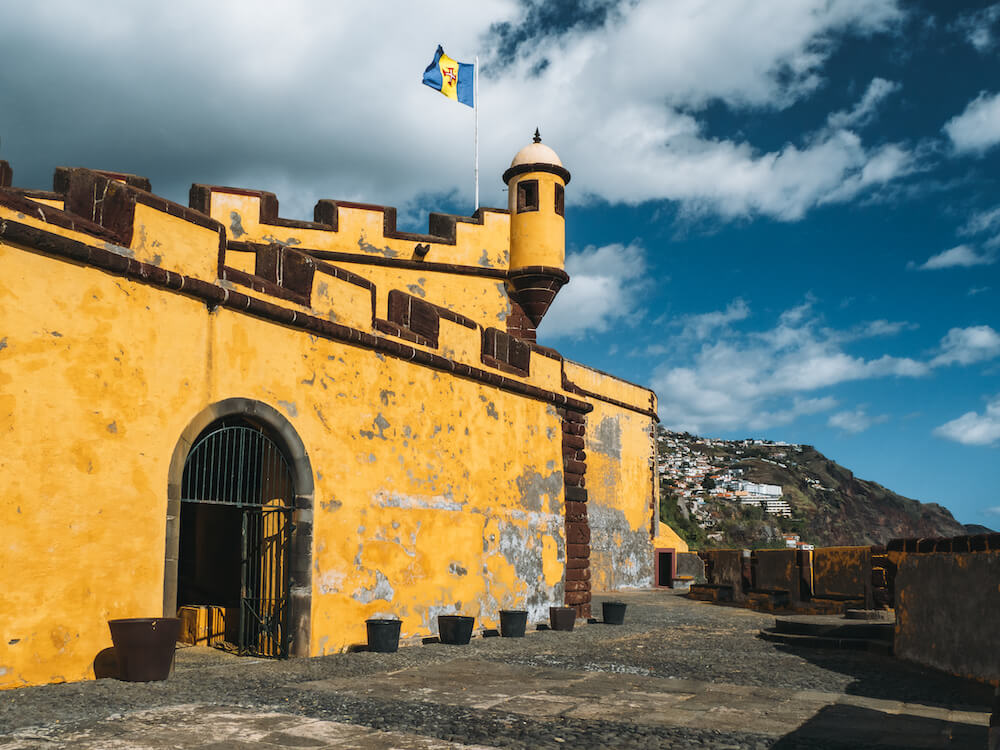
(574, 428)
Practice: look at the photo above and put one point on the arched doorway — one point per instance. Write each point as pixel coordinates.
(239, 531)
(237, 498)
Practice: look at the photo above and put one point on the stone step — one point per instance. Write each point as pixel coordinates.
(827, 642)
(883, 631)
(711, 592)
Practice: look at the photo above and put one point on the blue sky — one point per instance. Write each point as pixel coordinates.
(784, 214)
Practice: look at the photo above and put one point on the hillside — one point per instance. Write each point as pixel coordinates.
(715, 492)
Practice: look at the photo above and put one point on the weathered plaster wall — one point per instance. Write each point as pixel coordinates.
(423, 502)
(620, 489)
(432, 492)
(842, 572)
(946, 612)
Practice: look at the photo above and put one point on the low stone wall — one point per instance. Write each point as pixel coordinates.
(724, 567)
(690, 564)
(947, 607)
(778, 570)
(842, 573)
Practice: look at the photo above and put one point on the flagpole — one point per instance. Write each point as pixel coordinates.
(475, 111)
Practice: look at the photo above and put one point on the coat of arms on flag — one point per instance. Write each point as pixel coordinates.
(451, 78)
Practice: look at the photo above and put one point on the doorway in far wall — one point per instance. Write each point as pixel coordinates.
(665, 564)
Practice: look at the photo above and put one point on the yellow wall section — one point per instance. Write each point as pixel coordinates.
(620, 488)
(419, 490)
(537, 238)
(606, 385)
(480, 298)
(163, 240)
(432, 493)
(667, 538)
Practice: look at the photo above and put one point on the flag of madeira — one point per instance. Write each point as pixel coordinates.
(451, 78)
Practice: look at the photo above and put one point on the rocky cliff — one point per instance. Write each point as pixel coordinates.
(830, 506)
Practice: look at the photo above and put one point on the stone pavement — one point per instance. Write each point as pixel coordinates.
(772, 712)
(679, 674)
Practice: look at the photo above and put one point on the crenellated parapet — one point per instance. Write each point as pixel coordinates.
(359, 231)
(456, 315)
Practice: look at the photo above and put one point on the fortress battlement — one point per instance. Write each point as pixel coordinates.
(350, 275)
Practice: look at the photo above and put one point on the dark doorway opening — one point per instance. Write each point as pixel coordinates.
(237, 500)
(666, 567)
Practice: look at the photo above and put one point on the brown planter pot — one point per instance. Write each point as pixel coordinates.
(144, 647)
(562, 618)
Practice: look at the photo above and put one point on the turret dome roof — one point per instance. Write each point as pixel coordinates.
(536, 156)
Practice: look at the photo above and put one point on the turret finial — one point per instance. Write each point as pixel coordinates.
(538, 137)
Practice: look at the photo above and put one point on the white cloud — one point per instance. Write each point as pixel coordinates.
(972, 428)
(855, 421)
(961, 256)
(701, 326)
(606, 288)
(966, 346)
(727, 379)
(982, 221)
(759, 379)
(978, 127)
(864, 110)
(977, 27)
(870, 329)
(331, 105)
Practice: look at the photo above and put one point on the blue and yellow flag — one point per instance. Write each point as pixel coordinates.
(453, 79)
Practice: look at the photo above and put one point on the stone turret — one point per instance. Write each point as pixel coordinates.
(536, 183)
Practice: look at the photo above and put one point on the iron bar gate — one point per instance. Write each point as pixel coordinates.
(241, 468)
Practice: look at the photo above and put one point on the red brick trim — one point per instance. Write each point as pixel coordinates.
(259, 284)
(413, 265)
(15, 200)
(400, 332)
(109, 199)
(577, 524)
(505, 352)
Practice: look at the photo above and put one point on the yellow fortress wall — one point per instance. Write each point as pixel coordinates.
(441, 460)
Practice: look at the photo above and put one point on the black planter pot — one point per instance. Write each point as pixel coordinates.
(383, 635)
(513, 622)
(455, 630)
(144, 647)
(614, 613)
(562, 618)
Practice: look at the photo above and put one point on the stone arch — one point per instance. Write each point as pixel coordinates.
(300, 584)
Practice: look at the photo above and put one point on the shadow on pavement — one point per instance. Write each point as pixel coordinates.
(885, 677)
(853, 727)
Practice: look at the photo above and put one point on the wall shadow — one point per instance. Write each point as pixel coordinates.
(851, 727)
(879, 676)
(106, 664)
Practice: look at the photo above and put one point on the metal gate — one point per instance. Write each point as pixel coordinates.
(240, 466)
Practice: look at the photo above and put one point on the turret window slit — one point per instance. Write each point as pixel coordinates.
(527, 196)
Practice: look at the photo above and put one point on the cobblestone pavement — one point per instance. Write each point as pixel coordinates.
(678, 674)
